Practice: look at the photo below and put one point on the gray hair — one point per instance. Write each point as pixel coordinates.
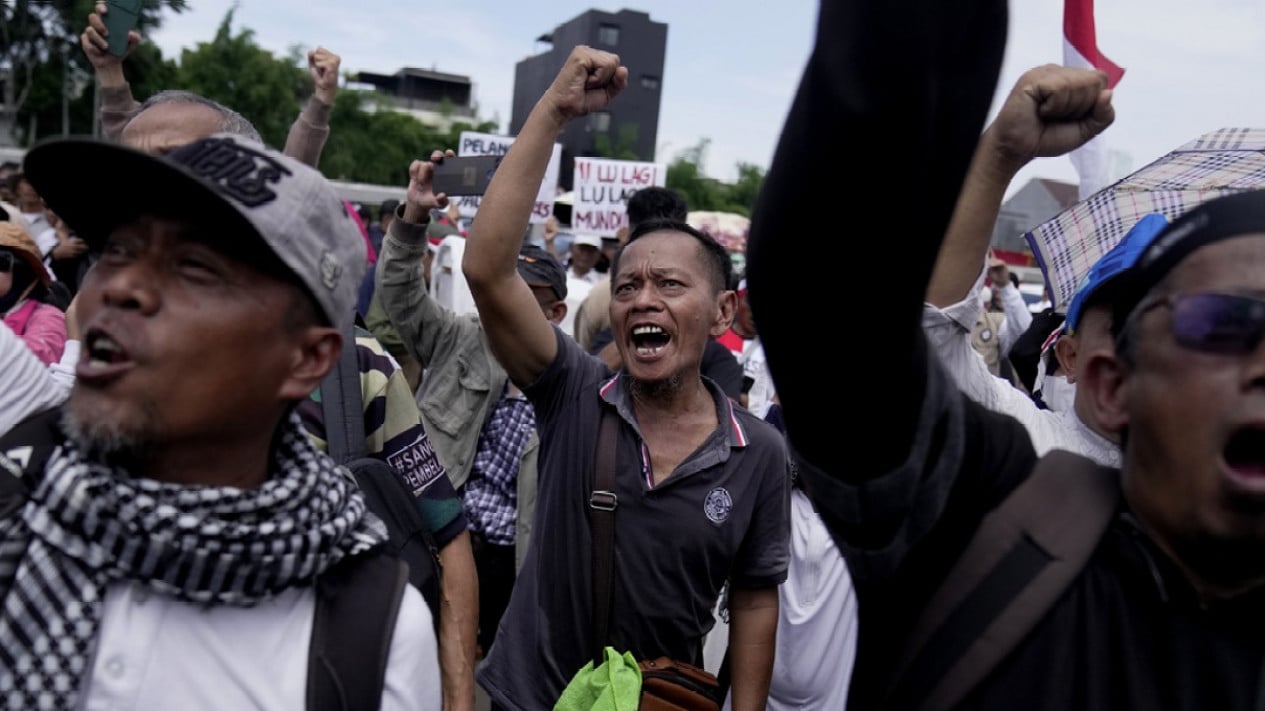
(230, 121)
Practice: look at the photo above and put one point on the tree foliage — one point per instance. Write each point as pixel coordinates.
(368, 143)
(39, 42)
(623, 147)
(39, 48)
(240, 74)
(686, 176)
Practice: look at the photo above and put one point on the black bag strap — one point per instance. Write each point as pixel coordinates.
(341, 405)
(1022, 558)
(358, 600)
(27, 446)
(602, 505)
(357, 603)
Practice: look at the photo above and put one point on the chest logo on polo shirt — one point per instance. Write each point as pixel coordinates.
(718, 505)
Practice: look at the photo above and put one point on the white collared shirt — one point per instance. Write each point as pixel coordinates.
(155, 652)
(949, 337)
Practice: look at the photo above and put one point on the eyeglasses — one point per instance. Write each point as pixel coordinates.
(6, 262)
(1225, 324)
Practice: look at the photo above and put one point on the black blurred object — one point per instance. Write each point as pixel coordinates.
(774, 417)
(1026, 352)
(58, 295)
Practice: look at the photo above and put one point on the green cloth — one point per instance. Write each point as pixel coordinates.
(614, 686)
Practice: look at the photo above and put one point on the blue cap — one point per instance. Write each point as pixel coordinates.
(1114, 263)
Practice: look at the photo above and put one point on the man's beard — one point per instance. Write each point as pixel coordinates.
(656, 389)
(108, 440)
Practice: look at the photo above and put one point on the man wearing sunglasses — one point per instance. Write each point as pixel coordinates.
(1168, 609)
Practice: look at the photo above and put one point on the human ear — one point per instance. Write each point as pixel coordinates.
(316, 352)
(1104, 392)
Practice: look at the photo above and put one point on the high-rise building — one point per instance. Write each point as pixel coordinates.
(630, 128)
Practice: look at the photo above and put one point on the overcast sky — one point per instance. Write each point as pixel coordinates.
(732, 65)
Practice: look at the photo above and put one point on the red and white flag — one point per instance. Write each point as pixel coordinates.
(1080, 49)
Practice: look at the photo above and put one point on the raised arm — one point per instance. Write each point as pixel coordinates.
(911, 116)
(424, 325)
(310, 130)
(117, 102)
(1050, 111)
(521, 337)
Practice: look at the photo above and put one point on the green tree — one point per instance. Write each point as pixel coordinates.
(371, 143)
(238, 73)
(624, 147)
(743, 192)
(686, 176)
(368, 142)
(48, 72)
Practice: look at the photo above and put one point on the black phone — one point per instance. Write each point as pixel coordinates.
(464, 175)
(120, 18)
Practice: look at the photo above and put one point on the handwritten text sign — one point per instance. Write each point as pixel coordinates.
(490, 144)
(602, 189)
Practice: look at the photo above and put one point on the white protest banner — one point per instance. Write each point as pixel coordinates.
(602, 189)
(491, 144)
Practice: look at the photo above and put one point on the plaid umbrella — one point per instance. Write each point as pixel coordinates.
(1067, 245)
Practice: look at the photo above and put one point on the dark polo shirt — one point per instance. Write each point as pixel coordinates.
(723, 514)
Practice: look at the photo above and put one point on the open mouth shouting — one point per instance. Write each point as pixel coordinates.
(103, 358)
(1244, 457)
(649, 340)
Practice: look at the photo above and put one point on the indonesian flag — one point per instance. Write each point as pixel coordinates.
(1080, 49)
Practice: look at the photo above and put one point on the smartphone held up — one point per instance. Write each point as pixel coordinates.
(464, 175)
(120, 18)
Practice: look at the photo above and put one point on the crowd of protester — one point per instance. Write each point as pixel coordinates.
(615, 472)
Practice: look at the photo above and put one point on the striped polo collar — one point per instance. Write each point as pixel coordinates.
(615, 392)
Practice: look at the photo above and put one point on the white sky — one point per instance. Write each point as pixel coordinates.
(732, 65)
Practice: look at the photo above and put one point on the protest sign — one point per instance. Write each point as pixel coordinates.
(602, 189)
(474, 143)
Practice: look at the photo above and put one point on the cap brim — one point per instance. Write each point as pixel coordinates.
(134, 184)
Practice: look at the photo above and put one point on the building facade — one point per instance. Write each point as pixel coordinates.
(1034, 203)
(435, 98)
(630, 128)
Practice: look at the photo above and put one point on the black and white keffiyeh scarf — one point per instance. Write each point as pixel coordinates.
(87, 525)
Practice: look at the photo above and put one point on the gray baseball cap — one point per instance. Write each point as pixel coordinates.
(225, 180)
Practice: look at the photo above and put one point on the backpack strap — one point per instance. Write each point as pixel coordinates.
(1022, 558)
(357, 603)
(602, 505)
(28, 446)
(342, 407)
(358, 600)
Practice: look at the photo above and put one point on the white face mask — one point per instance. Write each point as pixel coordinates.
(1058, 394)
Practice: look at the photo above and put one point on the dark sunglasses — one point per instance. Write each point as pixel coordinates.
(6, 262)
(1225, 324)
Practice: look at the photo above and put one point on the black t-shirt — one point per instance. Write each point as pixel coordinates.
(1130, 632)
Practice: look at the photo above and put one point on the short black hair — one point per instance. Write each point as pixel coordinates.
(387, 208)
(720, 267)
(655, 203)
